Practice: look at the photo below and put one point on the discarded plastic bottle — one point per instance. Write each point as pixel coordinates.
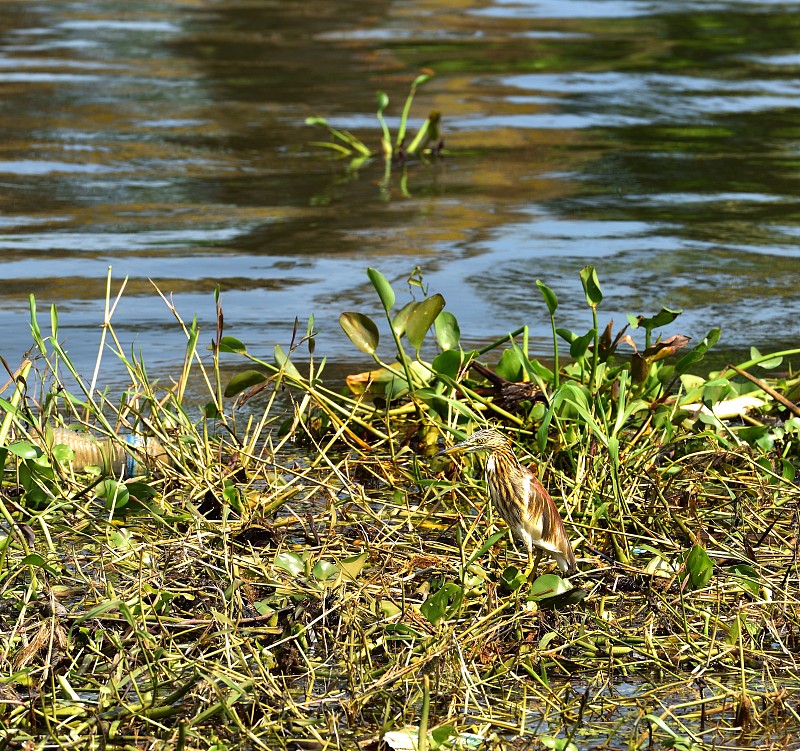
(112, 457)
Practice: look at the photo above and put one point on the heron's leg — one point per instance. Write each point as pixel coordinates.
(532, 569)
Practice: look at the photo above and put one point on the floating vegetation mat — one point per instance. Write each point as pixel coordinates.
(308, 575)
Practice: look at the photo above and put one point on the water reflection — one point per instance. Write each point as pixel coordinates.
(655, 140)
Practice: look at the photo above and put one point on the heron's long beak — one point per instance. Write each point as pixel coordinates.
(457, 449)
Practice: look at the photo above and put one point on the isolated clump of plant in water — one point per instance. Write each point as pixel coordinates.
(427, 142)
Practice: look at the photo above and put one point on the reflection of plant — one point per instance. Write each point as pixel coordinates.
(427, 140)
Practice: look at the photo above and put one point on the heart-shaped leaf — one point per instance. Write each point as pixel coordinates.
(361, 330)
(24, 450)
(324, 570)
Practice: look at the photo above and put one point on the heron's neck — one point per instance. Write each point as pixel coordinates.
(503, 463)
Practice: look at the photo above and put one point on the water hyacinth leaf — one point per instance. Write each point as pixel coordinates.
(510, 366)
(549, 296)
(382, 287)
(211, 411)
(448, 363)
(361, 330)
(400, 321)
(768, 364)
(35, 560)
(351, 567)
(697, 354)
(290, 562)
(24, 450)
(591, 286)
(232, 496)
(114, 493)
(664, 317)
(231, 344)
(62, 453)
(512, 578)
(422, 318)
(244, 380)
(448, 333)
(442, 604)
(324, 570)
(746, 577)
(282, 361)
(579, 346)
(557, 744)
(699, 566)
(548, 585)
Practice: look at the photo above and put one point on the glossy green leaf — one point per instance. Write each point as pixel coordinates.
(231, 344)
(510, 365)
(442, 734)
(282, 361)
(400, 321)
(244, 380)
(746, 577)
(448, 363)
(442, 604)
(24, 450)
(591, 286)
(290, 562)
(448, 333)
(549, 296)
(557, 744)
(324, 570)
(62, 453)
(579, 346)
(664, 317)
(698, 352)
(351, 567)
(699, 566)
(769, 364)
(382, 287)
(361, 330)
(114, 493)
(211, 411)
(512, 578)
(422, 318)
(548, 585)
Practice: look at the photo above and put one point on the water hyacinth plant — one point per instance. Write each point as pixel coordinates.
(427, 142)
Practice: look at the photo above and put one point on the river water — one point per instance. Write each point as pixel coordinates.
(658, 141)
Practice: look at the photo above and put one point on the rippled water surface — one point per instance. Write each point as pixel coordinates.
(658, 141)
